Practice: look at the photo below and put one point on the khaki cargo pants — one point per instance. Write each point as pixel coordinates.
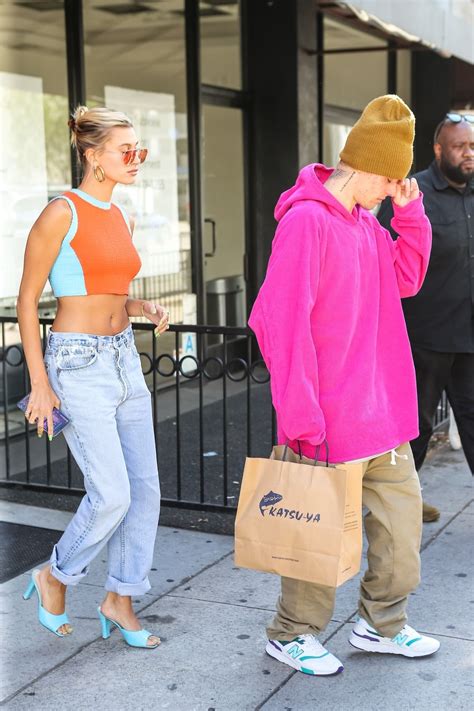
(393, 525)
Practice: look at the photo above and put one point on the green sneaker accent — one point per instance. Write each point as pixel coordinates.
(412, 641)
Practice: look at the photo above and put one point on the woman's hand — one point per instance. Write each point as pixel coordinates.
(40, 408)
(406, 191)
(156, 314)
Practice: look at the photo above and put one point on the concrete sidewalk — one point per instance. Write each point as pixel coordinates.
(211, 617)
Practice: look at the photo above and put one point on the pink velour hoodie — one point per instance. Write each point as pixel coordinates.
(329, 321)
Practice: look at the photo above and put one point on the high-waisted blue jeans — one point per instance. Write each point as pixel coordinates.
(100, 384)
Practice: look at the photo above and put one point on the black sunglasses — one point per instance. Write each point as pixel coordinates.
(453, 118)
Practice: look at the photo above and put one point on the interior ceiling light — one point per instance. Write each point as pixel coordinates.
(128, 8)
(41, 5)
(205, 10)
(24, 47)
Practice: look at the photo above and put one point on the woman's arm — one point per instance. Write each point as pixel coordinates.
(42, 248)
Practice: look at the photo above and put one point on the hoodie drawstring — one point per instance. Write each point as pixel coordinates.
(394, 454)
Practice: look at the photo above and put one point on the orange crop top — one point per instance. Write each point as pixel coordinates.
(97, 254)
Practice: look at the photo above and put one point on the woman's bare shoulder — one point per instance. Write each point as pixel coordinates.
(55, 219)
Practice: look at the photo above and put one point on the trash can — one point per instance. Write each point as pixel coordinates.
(226, 301)
(14, 376)
(225, 305)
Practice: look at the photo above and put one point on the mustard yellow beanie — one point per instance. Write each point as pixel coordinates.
(381, 141)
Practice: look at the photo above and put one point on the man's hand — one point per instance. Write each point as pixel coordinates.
(406, 191)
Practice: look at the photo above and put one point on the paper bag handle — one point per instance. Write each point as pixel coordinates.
(318, 449)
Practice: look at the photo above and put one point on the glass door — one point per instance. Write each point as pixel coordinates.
(224, 215)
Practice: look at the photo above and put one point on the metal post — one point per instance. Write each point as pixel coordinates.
(320, 78)
(193, 86)
(75, 67)
(392, 68)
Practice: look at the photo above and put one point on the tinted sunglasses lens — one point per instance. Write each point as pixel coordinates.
(129, 157)
(142, 154)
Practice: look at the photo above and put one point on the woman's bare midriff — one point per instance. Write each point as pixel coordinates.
(100, 315)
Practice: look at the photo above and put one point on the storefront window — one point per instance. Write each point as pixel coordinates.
(220, 43)
(351, 80)
(337, 125)
(223, 192)
(135, 62)
(34, 153)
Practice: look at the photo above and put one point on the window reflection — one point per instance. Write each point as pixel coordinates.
(220, 43)
(135, 62)
(34, 155)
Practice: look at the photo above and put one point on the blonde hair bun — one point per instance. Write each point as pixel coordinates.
(90, 128)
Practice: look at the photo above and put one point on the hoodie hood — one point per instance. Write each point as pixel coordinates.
(310, 186)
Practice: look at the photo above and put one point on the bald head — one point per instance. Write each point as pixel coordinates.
(454, 151)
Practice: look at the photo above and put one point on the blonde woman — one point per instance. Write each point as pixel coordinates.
(82, 242)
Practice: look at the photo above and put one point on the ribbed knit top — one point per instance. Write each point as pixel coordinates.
(97, 254)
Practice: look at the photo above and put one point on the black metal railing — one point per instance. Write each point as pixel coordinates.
(211, 408)
(442, 411)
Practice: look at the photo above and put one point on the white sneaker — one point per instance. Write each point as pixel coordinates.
(407, 642)
(305, 654)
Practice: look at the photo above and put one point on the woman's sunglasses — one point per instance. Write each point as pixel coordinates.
(129, 156)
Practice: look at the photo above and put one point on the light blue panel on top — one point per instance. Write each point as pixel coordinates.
(91, 199)
(67, 276)
(125, 216)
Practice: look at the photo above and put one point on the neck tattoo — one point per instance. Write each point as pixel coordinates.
(347, 182)
(337, 173)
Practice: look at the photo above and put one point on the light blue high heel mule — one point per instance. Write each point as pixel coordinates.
(47, 619)
(138, 638)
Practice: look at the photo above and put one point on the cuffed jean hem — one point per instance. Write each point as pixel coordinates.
(64, 578)
(117, 586)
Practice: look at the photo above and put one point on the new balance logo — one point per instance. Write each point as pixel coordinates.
(295, 651)
(400, 639)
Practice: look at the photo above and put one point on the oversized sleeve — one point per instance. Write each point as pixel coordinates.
(412, 247)
(282, 319)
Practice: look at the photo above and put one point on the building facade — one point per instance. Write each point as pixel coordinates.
(231, 98)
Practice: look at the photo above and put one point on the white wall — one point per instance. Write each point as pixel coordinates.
(447, 24)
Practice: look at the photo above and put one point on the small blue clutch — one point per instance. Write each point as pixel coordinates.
(59, 418)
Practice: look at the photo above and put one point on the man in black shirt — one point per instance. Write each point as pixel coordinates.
(440, 318)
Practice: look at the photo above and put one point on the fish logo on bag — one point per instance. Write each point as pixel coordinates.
(269, 500)
(268, 505)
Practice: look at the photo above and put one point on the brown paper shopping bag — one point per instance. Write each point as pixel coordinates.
(300, 519)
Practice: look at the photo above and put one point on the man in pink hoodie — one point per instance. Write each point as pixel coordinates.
(329, 323)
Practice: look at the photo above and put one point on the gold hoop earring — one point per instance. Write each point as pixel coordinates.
(99, 173)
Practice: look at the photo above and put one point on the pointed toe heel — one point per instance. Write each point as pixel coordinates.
(45, 618)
